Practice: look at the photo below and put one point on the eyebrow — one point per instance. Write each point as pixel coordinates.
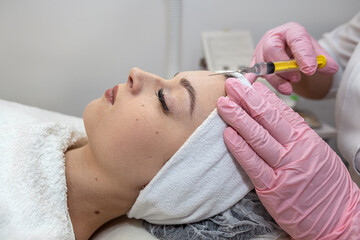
(192, 93)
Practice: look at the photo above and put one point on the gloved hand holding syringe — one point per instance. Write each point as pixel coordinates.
(265, 68)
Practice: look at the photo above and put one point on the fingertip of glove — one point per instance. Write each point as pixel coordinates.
(225, 106)
(308, 65)
(229, 131)
(330, 68)
(231, 81)
(251, 77)
(221, 101)
(285, 88)
(309, 69)
(230, 136)
(334, 68)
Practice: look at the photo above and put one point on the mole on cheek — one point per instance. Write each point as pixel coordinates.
(142, 105)
(97, 212)
(96, 179)
(157, 132)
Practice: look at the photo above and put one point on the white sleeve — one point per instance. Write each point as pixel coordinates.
(340, 44)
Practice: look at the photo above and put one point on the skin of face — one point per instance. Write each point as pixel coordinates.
(135, 136)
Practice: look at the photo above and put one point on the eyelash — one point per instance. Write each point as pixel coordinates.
(160, 96)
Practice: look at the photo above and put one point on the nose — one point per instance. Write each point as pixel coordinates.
(138, 79)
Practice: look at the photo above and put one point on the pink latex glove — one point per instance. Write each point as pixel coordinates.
(300, 180)
(285, 42)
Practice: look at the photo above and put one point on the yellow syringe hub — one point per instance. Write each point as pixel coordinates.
(285, 66)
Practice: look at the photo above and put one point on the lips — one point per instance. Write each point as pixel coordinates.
(111, 93)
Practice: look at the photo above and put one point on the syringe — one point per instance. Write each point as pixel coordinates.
(265, 68)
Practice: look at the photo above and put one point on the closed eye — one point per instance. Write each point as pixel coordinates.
(160, 96)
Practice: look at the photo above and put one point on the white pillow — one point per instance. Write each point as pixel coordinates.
(124, 229)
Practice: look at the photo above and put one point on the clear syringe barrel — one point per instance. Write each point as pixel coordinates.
(283, 66)
(264, 68)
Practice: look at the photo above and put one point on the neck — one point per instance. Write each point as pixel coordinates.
(93, 196)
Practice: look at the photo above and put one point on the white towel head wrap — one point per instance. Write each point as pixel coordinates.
(200, 180)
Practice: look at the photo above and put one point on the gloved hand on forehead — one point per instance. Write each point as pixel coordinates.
(285, 42)
(300, 180)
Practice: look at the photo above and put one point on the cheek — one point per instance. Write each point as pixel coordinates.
(143, 146)
(135, 139)
(128, 130)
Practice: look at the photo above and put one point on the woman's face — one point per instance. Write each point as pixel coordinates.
(136, 127)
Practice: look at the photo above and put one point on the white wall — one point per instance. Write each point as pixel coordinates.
(61, 54)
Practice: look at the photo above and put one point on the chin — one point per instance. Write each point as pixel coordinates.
(91, 114)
